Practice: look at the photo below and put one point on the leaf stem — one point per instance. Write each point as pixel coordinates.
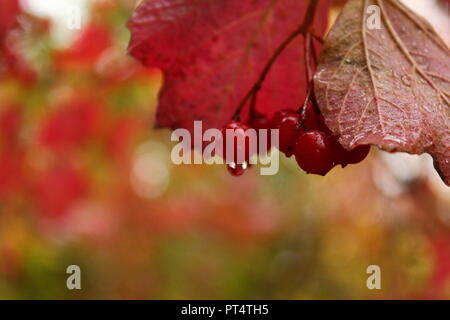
(304, 29)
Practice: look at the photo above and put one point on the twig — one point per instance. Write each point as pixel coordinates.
(303, 29)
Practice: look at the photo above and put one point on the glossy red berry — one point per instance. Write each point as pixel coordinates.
(339, 153)
(345, 157)
(314, 152)
(290, 129)
(237, 170)
(322, 125)
(260, 123)
(310, 118)
(279, 115)
(356, 155)
(241, 142)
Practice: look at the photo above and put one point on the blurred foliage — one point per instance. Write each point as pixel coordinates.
(85, 180)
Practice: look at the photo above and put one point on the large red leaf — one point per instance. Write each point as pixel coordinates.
(389, 86)
(213, 51)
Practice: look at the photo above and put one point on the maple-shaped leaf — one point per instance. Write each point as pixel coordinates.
(387, 86)
(213, 51)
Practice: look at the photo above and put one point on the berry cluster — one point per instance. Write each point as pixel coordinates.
(303, 134)
(238, 166)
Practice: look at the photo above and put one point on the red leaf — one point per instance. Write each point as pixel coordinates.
(11, 172)
(389, 86)
(10, 122)
(58, 189)
(212, 52)
(71, 125)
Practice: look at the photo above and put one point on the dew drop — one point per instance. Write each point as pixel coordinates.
(406, 80)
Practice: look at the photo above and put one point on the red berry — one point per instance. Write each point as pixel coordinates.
(241, 142)
(339, 153)
(356, 155)
(237, 170)
(290, 129)
(345, 157)
(279, 115)
(234, 125)
(260, 122)
(322, 126)
(314, 152)
(310, 118)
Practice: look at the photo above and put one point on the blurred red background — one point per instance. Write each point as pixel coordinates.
(86, 180)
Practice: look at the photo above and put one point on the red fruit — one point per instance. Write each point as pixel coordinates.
(310, 118)
(237, 170)
(314, 152)
(322, 126)
(290, 130)
(235, 125)
(341, 155)
(260, 122)
(241, 142)
(345, 157)
(189, 39)
(356, 155)
(277, 117)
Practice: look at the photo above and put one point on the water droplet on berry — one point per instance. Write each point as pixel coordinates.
(237, 170)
